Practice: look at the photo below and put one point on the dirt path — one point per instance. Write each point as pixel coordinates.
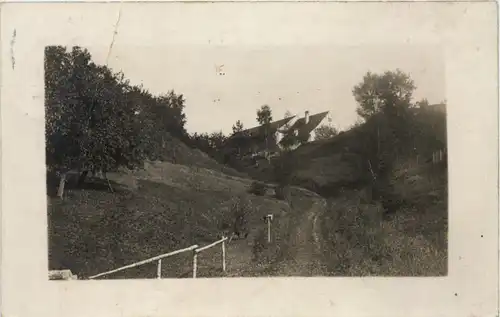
(305, 245)
(297, 252)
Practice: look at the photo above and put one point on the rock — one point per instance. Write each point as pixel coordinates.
(62, 275)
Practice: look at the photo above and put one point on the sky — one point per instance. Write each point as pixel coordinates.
(294, 78)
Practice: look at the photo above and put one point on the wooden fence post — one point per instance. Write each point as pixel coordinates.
(223, 255)
(158, 269)
(195, 263)
(269, 218)
(268, 230)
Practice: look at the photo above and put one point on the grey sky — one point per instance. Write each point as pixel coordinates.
(295, 78)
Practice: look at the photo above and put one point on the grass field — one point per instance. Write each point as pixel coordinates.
(410, 242)
(158, 210)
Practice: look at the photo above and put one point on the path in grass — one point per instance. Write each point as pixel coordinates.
(296, 250)
(305, 245)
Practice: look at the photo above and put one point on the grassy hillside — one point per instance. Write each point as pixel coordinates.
(157, 210)
(176, 151)
(410, 242)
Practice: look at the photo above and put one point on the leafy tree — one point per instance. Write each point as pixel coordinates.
(325, 132)
(238, 142)
(284, 166)
(289, 139)
(237, 127)
(384, 103)
(217, 140)
(264, 115)
(163, 118)
(212, 144)
(201, 141)
(385, 92)
(89, 126)
(96, 121)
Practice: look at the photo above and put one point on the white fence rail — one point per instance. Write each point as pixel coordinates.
(159, 258)
(153, 259)
(198, 250)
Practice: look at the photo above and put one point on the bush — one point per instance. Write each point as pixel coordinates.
(282, 192)
(363, 243)
(258, 188)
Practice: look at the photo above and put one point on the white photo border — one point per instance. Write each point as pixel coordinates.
(467, 34)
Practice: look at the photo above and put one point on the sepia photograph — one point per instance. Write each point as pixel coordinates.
(224, 161)
(249, 158)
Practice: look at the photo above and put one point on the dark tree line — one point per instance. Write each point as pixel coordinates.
(96, 121)
(394, 128)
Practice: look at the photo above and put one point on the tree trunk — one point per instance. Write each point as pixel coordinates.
(82, 178)
(107, 180)
(62, 182)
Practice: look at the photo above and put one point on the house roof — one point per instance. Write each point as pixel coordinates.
(299, 124)
(303, 128)
(273, 127)
(314, 121)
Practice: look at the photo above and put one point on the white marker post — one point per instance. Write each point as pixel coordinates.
(269, 218)
(195, 263)
(158, 270)
(224, 254)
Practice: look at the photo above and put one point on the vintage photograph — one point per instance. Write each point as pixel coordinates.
(219, 160)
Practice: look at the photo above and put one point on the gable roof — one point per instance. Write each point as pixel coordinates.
(314, 121)
(303, 128)
(255, 131)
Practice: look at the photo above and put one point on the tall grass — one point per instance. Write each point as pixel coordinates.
(360, 242)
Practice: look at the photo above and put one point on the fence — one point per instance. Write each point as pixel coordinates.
(153, 259)
(195, 256)
(196, 250)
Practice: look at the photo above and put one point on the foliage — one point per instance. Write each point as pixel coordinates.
(96, 120)
(386, 93)
(424, 103)
(237, 127)
(289, 140)
(394, 129)
(325, 131)
(264, 115)
(217, 139)
(212, 144)
(283, 192)
(364, 244)
(384, 102)
(89, 123)
(264, 118)
(258, 188)
(283, 168)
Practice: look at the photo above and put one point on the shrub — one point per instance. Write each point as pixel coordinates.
(258, 188)
(363, 243)
(282, 192)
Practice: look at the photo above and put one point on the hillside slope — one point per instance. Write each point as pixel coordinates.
(160, 209)
(175, 151)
